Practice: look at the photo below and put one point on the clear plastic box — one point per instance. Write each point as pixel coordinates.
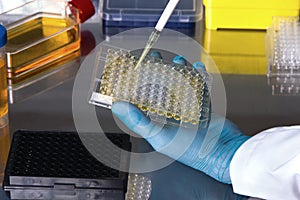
(39, 33)
(283, 47)
(283, 55)
(140, 13)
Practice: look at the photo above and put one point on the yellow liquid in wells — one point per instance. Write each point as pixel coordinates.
(171, 105)
(3, 90)
(39, 40)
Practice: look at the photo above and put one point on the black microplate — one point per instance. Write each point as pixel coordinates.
(55, 154)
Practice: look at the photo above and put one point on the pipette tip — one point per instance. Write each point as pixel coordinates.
(151, 41)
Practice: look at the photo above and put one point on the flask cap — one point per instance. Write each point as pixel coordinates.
(85, 7)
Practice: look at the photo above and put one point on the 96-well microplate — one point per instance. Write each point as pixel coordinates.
(165, 89)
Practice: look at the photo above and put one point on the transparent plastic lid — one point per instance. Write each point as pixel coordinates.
(187, 11)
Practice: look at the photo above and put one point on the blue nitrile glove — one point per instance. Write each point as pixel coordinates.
(215, 163)
(178, 181)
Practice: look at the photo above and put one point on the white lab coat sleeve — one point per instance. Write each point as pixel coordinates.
(267, 165)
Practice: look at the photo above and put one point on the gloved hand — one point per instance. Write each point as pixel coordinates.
(178, 181)
(214, 163)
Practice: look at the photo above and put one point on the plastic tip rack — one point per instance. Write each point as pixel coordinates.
(163, 89)
(283, 45)
(283, 50)
(139, 187)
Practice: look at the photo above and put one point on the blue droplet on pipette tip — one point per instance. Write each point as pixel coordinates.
(199, 66)
(179, 60)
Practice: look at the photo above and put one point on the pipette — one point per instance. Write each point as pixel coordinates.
(158, 29)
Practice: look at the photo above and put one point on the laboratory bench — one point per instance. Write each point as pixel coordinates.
(251, 104)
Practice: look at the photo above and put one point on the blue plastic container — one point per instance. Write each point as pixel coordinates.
(141, 13)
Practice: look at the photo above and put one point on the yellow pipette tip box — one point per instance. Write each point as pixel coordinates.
(237, 14)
